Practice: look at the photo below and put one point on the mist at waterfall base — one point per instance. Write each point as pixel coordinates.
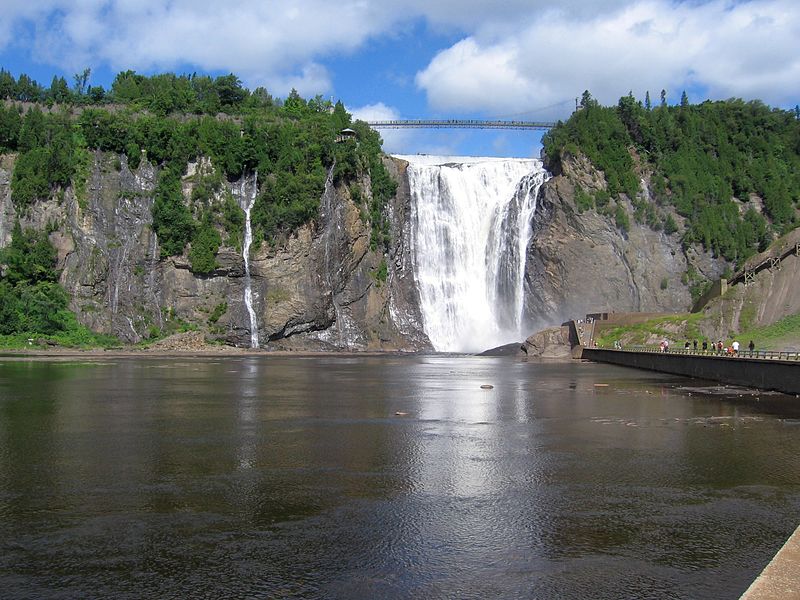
(471, 221)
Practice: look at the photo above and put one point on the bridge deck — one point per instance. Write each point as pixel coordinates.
(459, 124)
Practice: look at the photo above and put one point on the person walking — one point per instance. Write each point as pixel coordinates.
(735, 346)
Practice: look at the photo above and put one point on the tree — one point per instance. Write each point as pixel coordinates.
(8, 85)
(172, 221)
(684, 99)
(29, 258)
(10, 124)
(81, 81)
(59, 91)
(230, 90)
(664, 98)
(587, 100)
(647, 104)
(97, 94)
(295, 106)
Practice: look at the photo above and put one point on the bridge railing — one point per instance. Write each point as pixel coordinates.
(761, 354)
(459, 124)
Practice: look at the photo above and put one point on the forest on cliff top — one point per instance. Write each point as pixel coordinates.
(170, 120)
(730, 168)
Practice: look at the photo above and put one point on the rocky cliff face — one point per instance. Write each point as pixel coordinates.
(321, 289)
(770, 296)
(325, 287)
(582, 262)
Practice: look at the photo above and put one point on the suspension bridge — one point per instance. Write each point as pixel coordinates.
(460, 124)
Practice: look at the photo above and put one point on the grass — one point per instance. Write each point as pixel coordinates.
(680, 326)
(776, 336)
(81, 337)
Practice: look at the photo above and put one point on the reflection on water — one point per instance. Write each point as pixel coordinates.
(391, 477)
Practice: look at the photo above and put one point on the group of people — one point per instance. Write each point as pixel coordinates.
(718, 347)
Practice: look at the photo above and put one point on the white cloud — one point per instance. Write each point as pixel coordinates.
(749, 49)
(276, 43)
(395, 141)
(514, 55)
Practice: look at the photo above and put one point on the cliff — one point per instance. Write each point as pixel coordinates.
(582, 261)
(768, 297)
(322, 288)
(326, 287)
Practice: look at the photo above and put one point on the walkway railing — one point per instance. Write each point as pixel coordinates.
(459, 124)
(760, 354)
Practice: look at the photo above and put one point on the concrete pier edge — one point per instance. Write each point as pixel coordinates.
(781, 577)
(779, 375)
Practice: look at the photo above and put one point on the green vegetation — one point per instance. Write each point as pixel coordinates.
(33, 307)
(680, 327)
(219, 310)
(381, 273)
(171, 120)
(777, 336)
(698, 157)
(677, 327)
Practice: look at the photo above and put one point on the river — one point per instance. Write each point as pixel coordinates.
(385, 477)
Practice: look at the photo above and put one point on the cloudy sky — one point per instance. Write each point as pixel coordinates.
(427, 58)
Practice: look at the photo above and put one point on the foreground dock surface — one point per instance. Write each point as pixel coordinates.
(781, 577)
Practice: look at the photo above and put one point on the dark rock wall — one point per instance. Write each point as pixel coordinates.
(581, 262)
(317, 290)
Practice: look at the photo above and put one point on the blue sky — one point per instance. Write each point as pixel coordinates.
(427, 58)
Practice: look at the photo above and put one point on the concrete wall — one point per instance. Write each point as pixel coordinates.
(718, 289)
(783, 376)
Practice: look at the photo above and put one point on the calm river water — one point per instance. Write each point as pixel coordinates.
(385, 477)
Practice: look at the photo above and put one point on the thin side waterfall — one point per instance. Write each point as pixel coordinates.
(247, 206)
(471, 222)
(330, 226)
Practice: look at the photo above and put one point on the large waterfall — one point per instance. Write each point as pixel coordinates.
(471, 224)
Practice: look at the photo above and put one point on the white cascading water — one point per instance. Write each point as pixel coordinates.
(247, 206)
(471, 222)
(327, 208)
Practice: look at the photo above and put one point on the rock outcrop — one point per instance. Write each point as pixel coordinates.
(769, 296)
(322, 288)
(326, 287)
(582, 262)
(553, 343)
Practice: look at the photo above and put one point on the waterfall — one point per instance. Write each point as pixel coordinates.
(247, 206)
(327, 214)
(471, 222)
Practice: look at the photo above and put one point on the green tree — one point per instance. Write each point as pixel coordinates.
(59, 91)
(29, 258)
(81, 81)
(172, 221)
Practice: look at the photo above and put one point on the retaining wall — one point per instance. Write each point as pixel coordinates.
(767, 374)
